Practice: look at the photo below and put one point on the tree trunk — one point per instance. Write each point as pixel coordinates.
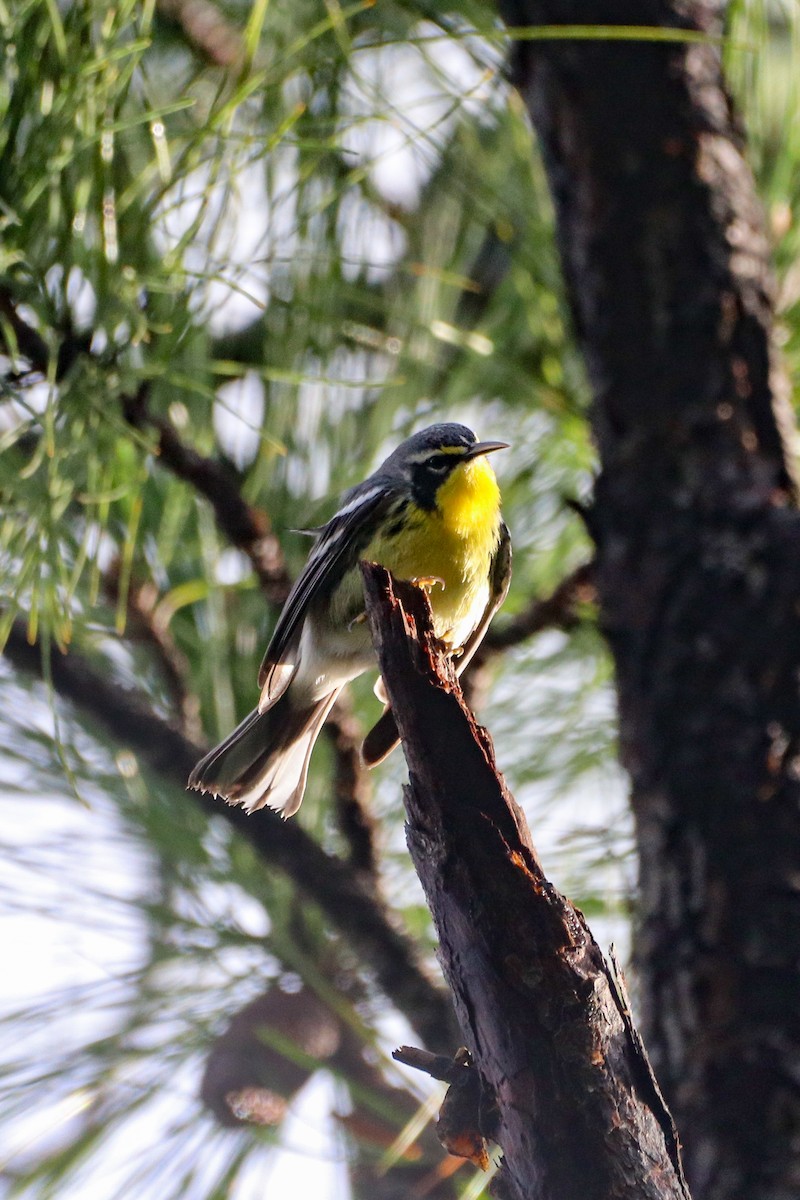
(566, 1087)
(698, 562)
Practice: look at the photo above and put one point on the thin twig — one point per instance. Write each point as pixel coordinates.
(146, 621)
(438, 1066)
(29, 343)
(246, 527)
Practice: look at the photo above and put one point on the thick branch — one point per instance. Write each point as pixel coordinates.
(326, 880)
(698, 558)
(578, 1113)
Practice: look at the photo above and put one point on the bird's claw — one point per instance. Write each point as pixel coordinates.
(428, 582)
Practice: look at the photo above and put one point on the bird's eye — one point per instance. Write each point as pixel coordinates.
(439, 463)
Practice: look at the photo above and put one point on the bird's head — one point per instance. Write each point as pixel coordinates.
(445, 467)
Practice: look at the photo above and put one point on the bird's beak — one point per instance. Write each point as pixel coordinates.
(485, 448)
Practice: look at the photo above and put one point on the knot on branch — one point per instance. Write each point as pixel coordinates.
(468, 1115)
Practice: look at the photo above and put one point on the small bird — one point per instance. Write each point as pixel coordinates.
(429, 514)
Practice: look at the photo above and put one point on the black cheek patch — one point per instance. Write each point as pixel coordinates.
(424, 487)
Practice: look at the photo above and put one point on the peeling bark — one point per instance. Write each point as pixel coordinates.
(698, 562)
(577, 1111)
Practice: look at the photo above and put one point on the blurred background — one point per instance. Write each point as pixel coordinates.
(245, 250)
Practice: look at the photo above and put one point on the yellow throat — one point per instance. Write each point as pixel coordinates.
(469, 500)
(453, 545)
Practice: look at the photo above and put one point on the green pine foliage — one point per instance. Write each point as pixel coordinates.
(295, 236)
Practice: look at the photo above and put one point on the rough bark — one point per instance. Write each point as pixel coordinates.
(698, 562)
(574, 1105)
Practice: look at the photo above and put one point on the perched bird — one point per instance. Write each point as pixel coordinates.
(431, 514)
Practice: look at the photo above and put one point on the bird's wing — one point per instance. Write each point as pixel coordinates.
(337, 550)
(383, 737)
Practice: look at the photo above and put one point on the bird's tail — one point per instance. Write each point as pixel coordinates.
(265, 760)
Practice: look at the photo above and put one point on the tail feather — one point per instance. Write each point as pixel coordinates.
(265, 760)
(381, 739)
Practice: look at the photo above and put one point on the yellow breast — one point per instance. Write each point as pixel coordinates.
(454, 543)
(469, 500)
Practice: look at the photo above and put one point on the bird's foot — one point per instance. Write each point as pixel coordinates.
(359, 620)
(428, 582)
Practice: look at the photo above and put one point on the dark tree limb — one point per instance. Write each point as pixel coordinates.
(19, 337)
(352, 791)
(244, 526)
(559, 610)
(249, 529)
(329, 882)
(206, 29)
(577, 1111)
(698, 560)
(145, 623)
(271, 1049)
